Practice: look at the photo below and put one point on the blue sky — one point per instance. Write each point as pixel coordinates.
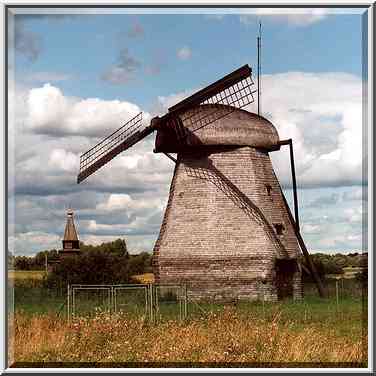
(84, 46)
(312, 77)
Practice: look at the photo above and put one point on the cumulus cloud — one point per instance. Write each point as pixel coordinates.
(127, 197)
(308, 228)
(130, 191)
(322, 113)
(184, 53)
(52, 113)
(63, 160)
(355, 195)
(27, 243)
(117, 202)
(324, 201)
(123, 70)
(294, 17)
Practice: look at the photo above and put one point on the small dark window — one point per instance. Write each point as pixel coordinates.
(279, 228)
(268, 189)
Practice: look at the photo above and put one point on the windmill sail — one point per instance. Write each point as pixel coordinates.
(234, 90)
(123, 138)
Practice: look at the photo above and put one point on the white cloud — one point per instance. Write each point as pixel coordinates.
(52, 113)
(118, 202)
(308, 228)
(184, 53)
(30, 242)
(354, 215)
(322, 113)
(294, 17)
(63, 160)
(126, 198)
(356, 194)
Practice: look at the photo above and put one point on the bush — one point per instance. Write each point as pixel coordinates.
(108, 263)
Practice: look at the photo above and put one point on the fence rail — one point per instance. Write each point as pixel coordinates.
(154, 302)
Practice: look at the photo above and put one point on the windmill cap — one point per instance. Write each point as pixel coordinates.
(238, 127)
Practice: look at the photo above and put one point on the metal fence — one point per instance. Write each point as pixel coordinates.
(156, 303)
(153, 302)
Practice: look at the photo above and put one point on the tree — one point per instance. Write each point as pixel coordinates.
(107, 263)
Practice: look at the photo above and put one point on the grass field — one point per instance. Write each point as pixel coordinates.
(314, 332)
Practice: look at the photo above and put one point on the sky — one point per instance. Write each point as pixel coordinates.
(76, 77)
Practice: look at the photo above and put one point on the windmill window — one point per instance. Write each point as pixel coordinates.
(279, 228)
(268, 189)
(68, 245)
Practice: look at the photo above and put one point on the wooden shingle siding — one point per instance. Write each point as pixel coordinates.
(217, 235)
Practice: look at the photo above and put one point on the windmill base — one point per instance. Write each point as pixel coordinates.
(282, 284)
(226, 233)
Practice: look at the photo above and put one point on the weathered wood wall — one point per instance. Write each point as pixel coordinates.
(218, 234)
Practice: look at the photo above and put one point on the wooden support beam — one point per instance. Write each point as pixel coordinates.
(295, 192)
(295, 223)
(310, 264)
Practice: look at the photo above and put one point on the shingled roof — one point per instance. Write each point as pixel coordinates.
(70, 230)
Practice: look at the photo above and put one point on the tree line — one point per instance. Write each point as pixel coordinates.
(326, 264)
(112, 263)
(107, 263)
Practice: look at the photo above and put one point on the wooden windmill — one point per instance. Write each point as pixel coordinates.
(227, 230)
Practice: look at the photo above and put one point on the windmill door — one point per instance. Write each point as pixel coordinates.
(285, 270)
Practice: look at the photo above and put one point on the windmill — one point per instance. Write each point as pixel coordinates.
(227, 230)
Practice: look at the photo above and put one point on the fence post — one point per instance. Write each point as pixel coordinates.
(181, 303)
(68, 305)
(263, 301)
(342, 288)
(337, 295)
(146, 301)
(112, 308)
(115, 302)
(73, 303)
(151, 302)
(185, 302)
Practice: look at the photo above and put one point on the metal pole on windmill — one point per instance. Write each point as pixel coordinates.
(258, 69)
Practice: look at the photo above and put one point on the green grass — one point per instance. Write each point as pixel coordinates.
(38, 300)
(31, 298)
(313, 329)
(266, 335)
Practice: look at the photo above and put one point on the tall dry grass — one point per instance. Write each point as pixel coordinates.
(225, 337)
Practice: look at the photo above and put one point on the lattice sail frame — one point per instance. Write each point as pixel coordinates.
(234, 97)
(131, 129)
(231, 92)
